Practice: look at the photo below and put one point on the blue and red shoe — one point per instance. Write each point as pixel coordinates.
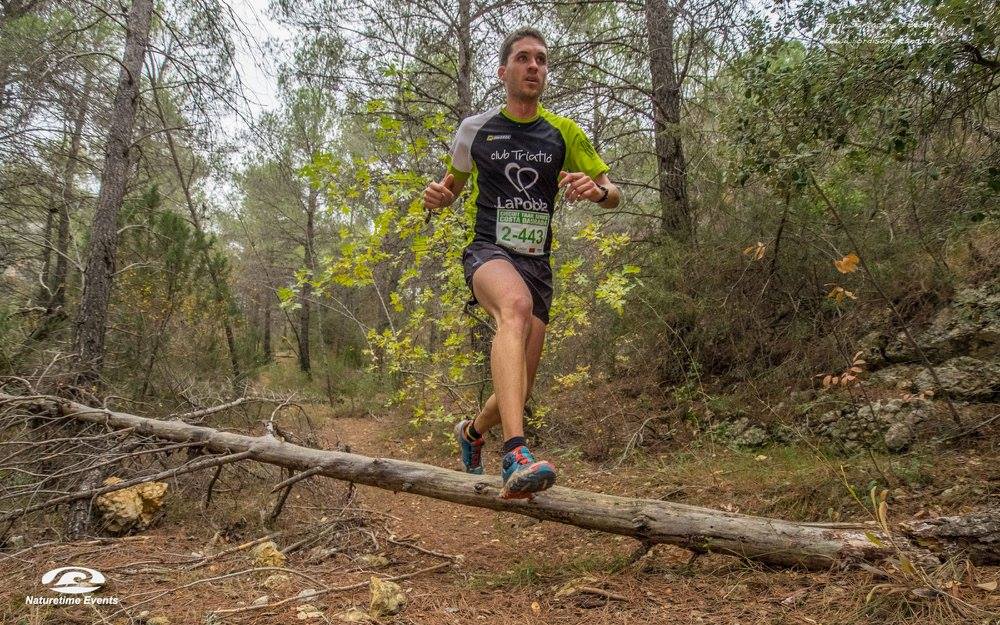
(470, 451)
(523, 476)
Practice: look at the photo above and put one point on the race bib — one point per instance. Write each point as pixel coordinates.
(522, 231)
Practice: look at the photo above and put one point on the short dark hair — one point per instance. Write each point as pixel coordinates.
(517, 35)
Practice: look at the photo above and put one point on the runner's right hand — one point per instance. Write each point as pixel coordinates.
(440, 194)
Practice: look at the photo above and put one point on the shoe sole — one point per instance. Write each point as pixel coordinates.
(527, 482)
(459, 435)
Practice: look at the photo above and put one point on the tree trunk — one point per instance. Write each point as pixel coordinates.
(58, 285)
(218, 288)
(91, 323)
(464, 59)
(268, 351)
(45, 257)
(666, 102)
(772, 541)
(976, 536)
(304, 362)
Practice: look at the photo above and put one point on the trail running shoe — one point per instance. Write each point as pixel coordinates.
(523, 476)
(471, 451)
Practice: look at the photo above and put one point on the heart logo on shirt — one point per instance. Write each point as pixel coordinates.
(522, 178)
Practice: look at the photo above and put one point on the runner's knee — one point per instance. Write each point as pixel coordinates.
(515, 311)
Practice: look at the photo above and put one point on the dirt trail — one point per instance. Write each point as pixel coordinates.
(514, 566)
(511, 571)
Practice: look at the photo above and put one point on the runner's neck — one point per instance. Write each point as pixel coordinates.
(522, 110)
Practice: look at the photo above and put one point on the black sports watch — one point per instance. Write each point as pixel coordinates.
(603, 197)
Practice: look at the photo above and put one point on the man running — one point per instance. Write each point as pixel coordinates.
(517, 157)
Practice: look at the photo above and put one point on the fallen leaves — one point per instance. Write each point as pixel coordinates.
(756, 252)
(847, 264)
(839, 294)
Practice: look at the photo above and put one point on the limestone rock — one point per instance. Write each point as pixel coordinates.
(308, 612)
(898, 377)
(267, 554)
(893, 423)
(387, 598)
(903, 430)
(276, 581)
(355, 615)
(963, 377)
(740, 433)
(306, 594)
(373, 560)
(872, 347)
(130, 509)
(969, 325)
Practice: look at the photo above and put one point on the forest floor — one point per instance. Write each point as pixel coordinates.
(513, 568)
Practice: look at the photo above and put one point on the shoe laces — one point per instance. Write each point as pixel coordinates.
(522, 455)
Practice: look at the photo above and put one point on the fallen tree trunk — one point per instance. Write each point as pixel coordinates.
(975, 536)
(701, 530)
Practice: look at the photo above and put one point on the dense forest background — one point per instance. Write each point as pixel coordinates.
(756, 145)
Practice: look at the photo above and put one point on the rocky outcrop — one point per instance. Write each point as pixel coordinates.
(968, 326)
(893, 424)
(963, 377)
(962, 342)
(740, 433)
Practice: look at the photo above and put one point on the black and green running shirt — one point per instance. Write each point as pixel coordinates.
(514, 165)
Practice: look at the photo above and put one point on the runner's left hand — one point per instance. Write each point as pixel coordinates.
(579, 186)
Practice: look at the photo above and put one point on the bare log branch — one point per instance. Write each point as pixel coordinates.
(700, 530)
(87, 494)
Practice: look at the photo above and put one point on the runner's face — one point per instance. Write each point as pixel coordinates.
(526, 69)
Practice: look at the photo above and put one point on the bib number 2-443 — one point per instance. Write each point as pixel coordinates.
(522, 231)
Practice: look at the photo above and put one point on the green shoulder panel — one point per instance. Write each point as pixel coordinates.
(580, 153)
(460, 176)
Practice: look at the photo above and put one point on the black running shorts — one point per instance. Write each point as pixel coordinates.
(535, 271)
